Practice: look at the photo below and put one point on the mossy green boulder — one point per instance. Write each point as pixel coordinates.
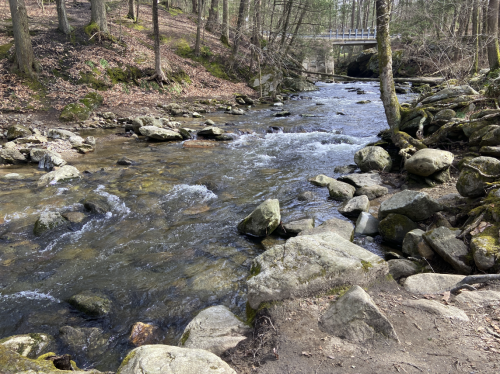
(82, 109)
(471, 182)
(394, 227)
(29, 345)
(263, 220)
(486, 248)
(17, 131)
(92, 304)
(48, 221)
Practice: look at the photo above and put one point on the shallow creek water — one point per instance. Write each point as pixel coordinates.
(170, 246)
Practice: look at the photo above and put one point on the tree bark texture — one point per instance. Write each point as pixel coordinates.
(213, 16)
(98, 15)
(195, 6)
(387, 91)
(22, 39)
(239, 26)
(225, 22)
(493, 50)
(131, 10)
(159, 75)
(62, 17)
(198, 31)
(475, 35)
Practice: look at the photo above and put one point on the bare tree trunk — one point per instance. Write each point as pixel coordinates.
(475, 35)
(137, 12)
(131, 10)
(159, 75)
(195, 6)
(493, 50)
(360, 10)
(198, 31)
(98, 15)
(353, 10)
(22, 40)
(297, 26)
(239, 26)
(62, 17)
(213, 16)
(288, 11)
(387, 90)
(225, 22)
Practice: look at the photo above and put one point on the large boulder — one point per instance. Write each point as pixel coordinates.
(12, 156)
(211, 131)
(299, 84)
(354, 207)
(17, 131)
(373, 158)
(362, 180)
(479, 298)
(50, 160)
(66, 172)
(431, 283)
(427, 161)
(294, 228)
(36, 154)
(491, 138)
(454, 251)
(394, 228)
(309, 264)
(90, 303)
(414, 245)
(29, 345)
(449, 93)
(486, 248)
(366, 224)
(355, 317)
(60, 134)
(340, 190)
(413, 204)
(263, 220)
(444, 116)
(334, 226)
(158, 133)
(214, 329)
(402, 268)
(321, 180)
(48, 221)
(372, 192)
(475, 174)
(167, 359)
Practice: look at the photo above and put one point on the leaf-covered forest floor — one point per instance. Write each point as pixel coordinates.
(73, 65)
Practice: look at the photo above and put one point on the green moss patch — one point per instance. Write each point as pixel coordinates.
(81, 110)
(126, 75)
(91, 29)
(185, 337)
(4, 49)
(89, 78)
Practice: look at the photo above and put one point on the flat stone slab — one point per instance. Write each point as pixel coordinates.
(431, 283)
(309, 264)
(362, 180)
(482, 298)
(454, 251)
(414, 204)
(436, 308)
(335, 226)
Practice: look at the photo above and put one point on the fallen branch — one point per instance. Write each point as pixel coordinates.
(472, 226)
(480, 172)
(473, 279)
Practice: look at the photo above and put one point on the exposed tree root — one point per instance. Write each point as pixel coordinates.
(473, 279)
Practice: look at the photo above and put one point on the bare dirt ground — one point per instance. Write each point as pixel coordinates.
(287, 339)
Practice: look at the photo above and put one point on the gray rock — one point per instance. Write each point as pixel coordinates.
(75, 217)
(296, 227)
(454, 251)
(66, 172)
(12, 176)
(48, 221)
(321, 180)
(109, 115)
(36, 154)
(167, 359)
(196, 115)
(402, 268)
(431, 283)
(214, 329)
(12, 156)
(394, 227)
(263, 220)
(355, 206)
(372, 192)
(97, 204)
(125, 161)
(362, 180)
(209, 122)
(415, 205)
(337, 226)
(60, 134)
(308, 264)
(211, 131)
(414, 245)
(449, 93)
(306, 196)
(33, 139)
(485, 250)
(438, 309)
(493, 151)
(355, 317)
(88, 340)
(29, 345)
(470, 183)
(491, 138)
(366, 225)
(452, 202)
(373, 158)
(340, 190)
(479, 298)
(444, 116)
(17, 131)
(237, 112)
(90, 303)
(76, 141)
(158, 133)
(428, 161)
(50, 160)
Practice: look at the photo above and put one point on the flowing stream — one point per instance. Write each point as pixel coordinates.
(170, 247)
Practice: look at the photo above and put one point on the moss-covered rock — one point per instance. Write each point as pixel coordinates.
(81, 110)
(486, 248)
(17, 131)
(29, 345)
(48, 221)
(373, 158)
(394, 228)
(92, 304)
(470, 182)
(263, 220)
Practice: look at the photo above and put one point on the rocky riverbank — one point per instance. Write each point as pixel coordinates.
(436, 214)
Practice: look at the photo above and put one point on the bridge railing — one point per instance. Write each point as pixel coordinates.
(354, 34)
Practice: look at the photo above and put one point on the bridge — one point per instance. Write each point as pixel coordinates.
(367, 38)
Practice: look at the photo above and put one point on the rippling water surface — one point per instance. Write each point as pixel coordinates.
(170, 247)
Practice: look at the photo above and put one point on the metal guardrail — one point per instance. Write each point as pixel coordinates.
(348, 34)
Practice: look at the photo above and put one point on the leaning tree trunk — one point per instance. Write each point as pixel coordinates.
(22, 40)
(62, 17)
(158, 75)
(98, 15)
(195, 6)
(493, 51)
(131, 10)
(225, 22)
(213, 16)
